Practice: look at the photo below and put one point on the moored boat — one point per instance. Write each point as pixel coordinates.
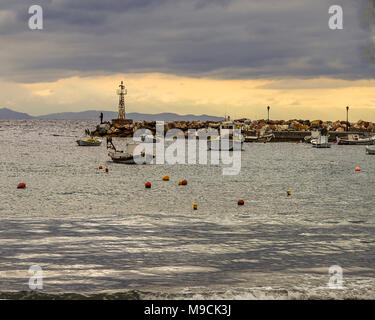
(127, 156)
(370, 150)
(88, 141)
(263, 138)
(321, 142)
(355, 139)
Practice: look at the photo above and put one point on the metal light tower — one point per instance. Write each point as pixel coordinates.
(121, 105)
(347, 118)
(268, 110)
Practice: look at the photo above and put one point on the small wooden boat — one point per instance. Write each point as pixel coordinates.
(355, 139)
(321, 142)
(88, 142)
(370, 150)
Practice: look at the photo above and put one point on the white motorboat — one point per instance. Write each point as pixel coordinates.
(128, 157)
(321, 142)
(227, 140)
(88, 141)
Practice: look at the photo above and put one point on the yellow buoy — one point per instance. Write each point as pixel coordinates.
(289, 193)
(180, 183)
(166, 178)
(195, 206)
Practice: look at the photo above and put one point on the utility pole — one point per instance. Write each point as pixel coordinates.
(347, 118)
(268, 110)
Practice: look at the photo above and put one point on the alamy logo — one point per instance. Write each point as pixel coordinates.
(36, 280)
(36, 20)
(335, 281)
(336, 21)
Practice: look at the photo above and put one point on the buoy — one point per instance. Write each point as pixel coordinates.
(148, 185)
(195, 206)
(21, 185)
(106, 170)
(289, 193)
(180, 183)
(358, 169)
(241, 202)
(100, 167)
(166, 178)
(184, 182)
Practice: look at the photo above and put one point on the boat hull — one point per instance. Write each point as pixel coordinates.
(217, 145)
(370, 150)
(84, 143)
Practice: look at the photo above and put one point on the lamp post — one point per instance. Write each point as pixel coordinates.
(268, 110)
(347, 118)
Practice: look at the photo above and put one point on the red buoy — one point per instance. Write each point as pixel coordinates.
(184, 182)
(358, 169)
(100, 167)
(106, 170)
(148, 185)
(21, 185)
(241, 202)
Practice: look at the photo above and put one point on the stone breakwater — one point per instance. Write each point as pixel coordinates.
(117, 129)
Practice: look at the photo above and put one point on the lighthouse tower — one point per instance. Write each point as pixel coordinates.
(121, 105)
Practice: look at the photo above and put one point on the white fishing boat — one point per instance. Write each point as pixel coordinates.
(355, 139)
(127, 156)
(88, 141)
(321, 142)
(148, 138)
(370, 150)
(227, 140)
(261, 138)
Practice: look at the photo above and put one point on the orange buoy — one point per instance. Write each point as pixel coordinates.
(100, 167)
(21, 185)
(106, 170)
(358, 169)
(241, 202)
(195, 206)
(148, 185)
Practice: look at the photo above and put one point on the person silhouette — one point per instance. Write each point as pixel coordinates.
(101, 117)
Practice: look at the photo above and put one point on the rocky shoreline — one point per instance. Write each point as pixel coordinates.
(128, 127)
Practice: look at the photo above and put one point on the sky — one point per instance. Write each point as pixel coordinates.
(217, 57)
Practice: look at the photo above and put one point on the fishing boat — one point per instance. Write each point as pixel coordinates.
(321, 142)
(370, 150)
(227, 140)
(355, 139)
(262, 138)
(127, 156)
(148, 138)
(88, 141)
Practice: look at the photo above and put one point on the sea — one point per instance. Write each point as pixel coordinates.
(103, 235)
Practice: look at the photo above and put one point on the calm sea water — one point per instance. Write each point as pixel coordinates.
(97, 233)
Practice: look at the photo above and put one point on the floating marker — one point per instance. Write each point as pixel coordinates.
(148, 185)
(100, 167)
(195, 206)
(358, 169)
(289, 193)
(184, 182)
(21, 185)
(241, 202)
(165, 178)
(180, 183)
(106, 170)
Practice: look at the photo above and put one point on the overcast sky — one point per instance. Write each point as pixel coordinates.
(245, 54)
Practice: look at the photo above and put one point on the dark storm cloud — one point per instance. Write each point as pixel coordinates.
(215, 38)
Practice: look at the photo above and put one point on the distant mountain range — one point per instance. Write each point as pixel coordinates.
(108, 115)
